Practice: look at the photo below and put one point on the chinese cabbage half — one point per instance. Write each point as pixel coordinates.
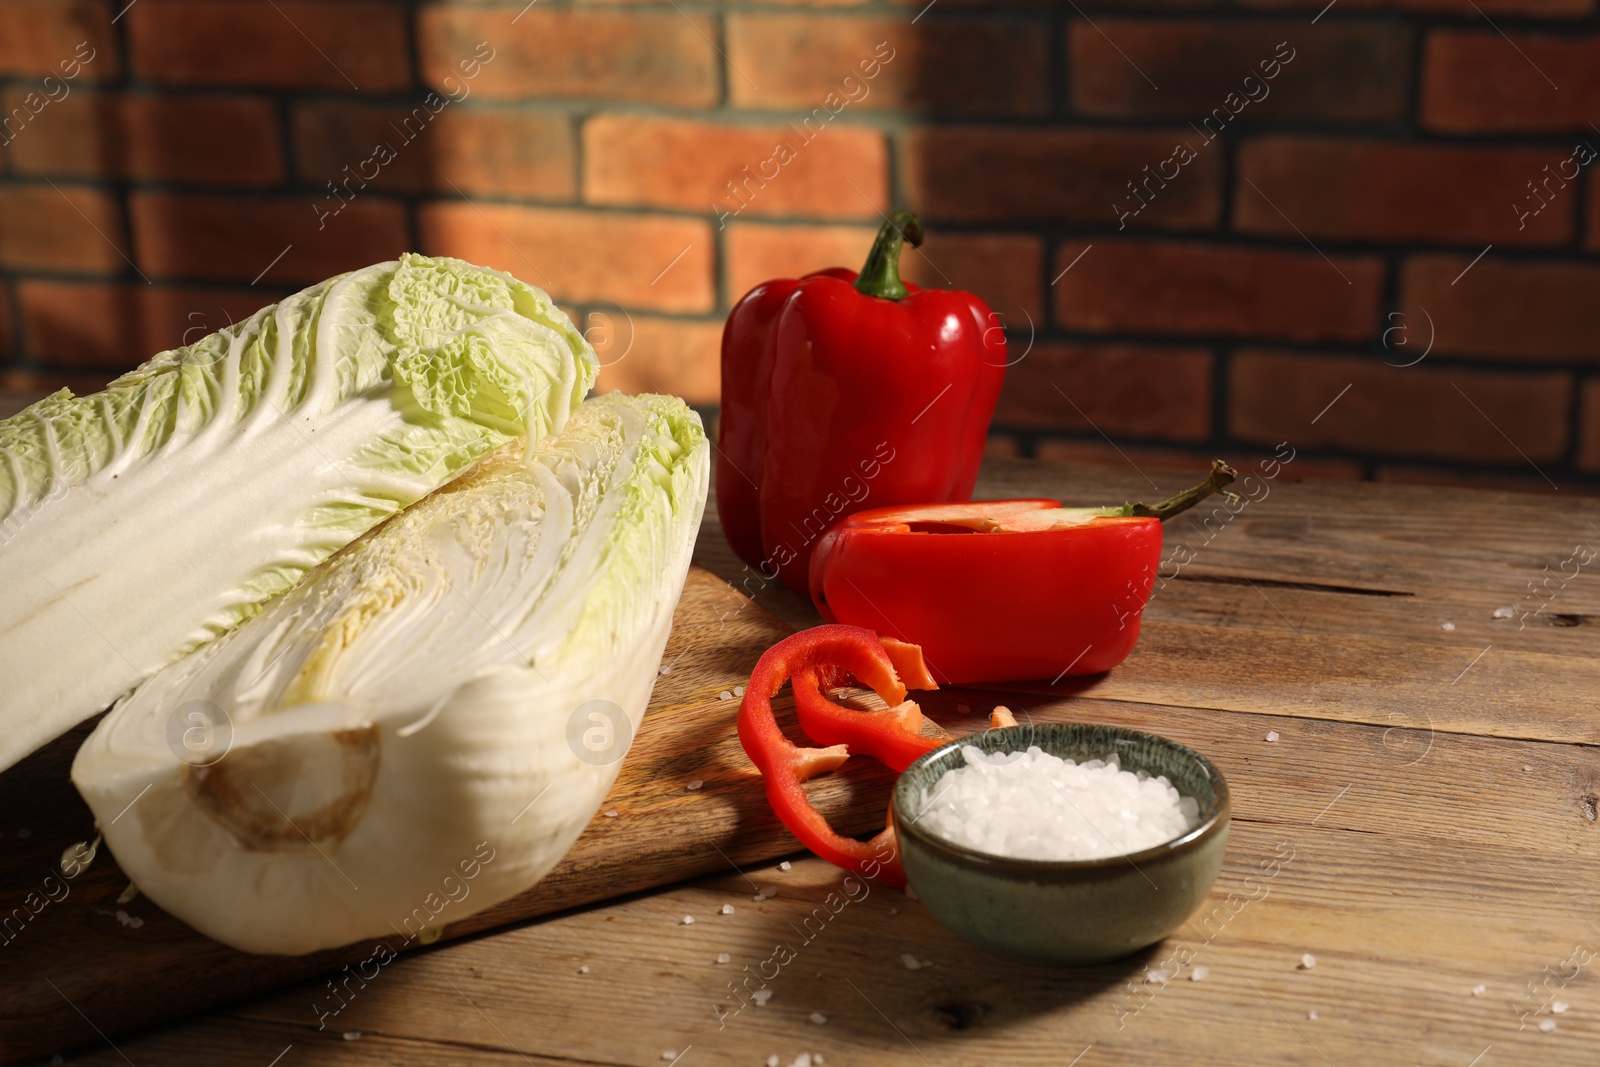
(409, 709)
(143, 521)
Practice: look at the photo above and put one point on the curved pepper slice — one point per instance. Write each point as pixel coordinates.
(827, 655)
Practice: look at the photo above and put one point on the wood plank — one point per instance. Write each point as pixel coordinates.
(124, 977)
(1327, 600)
(1368, 535)
(1427, 859)
(1411, 880)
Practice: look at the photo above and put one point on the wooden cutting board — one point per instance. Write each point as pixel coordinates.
(81, 966)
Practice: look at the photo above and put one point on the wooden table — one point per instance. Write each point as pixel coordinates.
(1416, 795)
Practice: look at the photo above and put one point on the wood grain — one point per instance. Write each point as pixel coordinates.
(1330, 600)
(1411, 873)
(75, 960)
(1436, 788)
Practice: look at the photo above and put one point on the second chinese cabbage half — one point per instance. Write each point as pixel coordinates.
(413, 699)
(143, 521)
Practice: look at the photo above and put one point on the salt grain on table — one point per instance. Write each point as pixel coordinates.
(1547, 1026)
(1559, 1007)
(738, 690)
(612, 814)
(352, 1035)
(727, 909)
(1448, 626)
(1273, 735)
(1479, 990)
(761, 996)
(1199, 973)
(723, 957)
(1504, 613)
(669, 1054)
(1307, 961)
(785, 865)
(688, 920)
(725, 695)
(694, 785)
(911, 962)
(1033, 805)
(1312, 1014)
(773, 1061)
(818, 1018)
(584, 969)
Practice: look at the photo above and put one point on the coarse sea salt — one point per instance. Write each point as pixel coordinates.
(1033, 805)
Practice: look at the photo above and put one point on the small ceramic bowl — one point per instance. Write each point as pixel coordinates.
(1066, 911)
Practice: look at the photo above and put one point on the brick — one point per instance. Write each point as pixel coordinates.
(8, 347)
(1415, 412)
(342, 45)
(985, 174)
(1302, 468)
(1118, 390)
(74, 326)
(1593, 240)
(1363, 190)
(1003, 269)
(1523, 8)
(1002, 446)
(771, 3)
(1143, 5)
(1479, 81)
(650, 354)
(1501, 309)
(839, 172)
(1168, 287)
(844, 65)
(242, 238)
(1589, 427)
(1171, 468)
(71, 38)
(1144, 465)
(38, 384)
(484, 151)
(218, 140)
(1343, 72)
(647, 55)
(65, 228)
(757, 252)
(636, 261)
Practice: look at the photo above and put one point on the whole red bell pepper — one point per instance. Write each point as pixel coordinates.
(1000, 590)
(841, 389)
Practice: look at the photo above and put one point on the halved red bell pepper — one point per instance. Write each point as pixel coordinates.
(1000, 590)
(821, 657)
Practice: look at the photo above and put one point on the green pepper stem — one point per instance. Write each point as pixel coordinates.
(1221, 476)
(880, 275)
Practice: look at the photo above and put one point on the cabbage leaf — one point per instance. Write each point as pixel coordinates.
(141, 522)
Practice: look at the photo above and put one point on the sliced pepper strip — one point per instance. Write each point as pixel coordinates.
(834, 652)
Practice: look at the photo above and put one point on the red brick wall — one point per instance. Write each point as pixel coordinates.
(1211, 226)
